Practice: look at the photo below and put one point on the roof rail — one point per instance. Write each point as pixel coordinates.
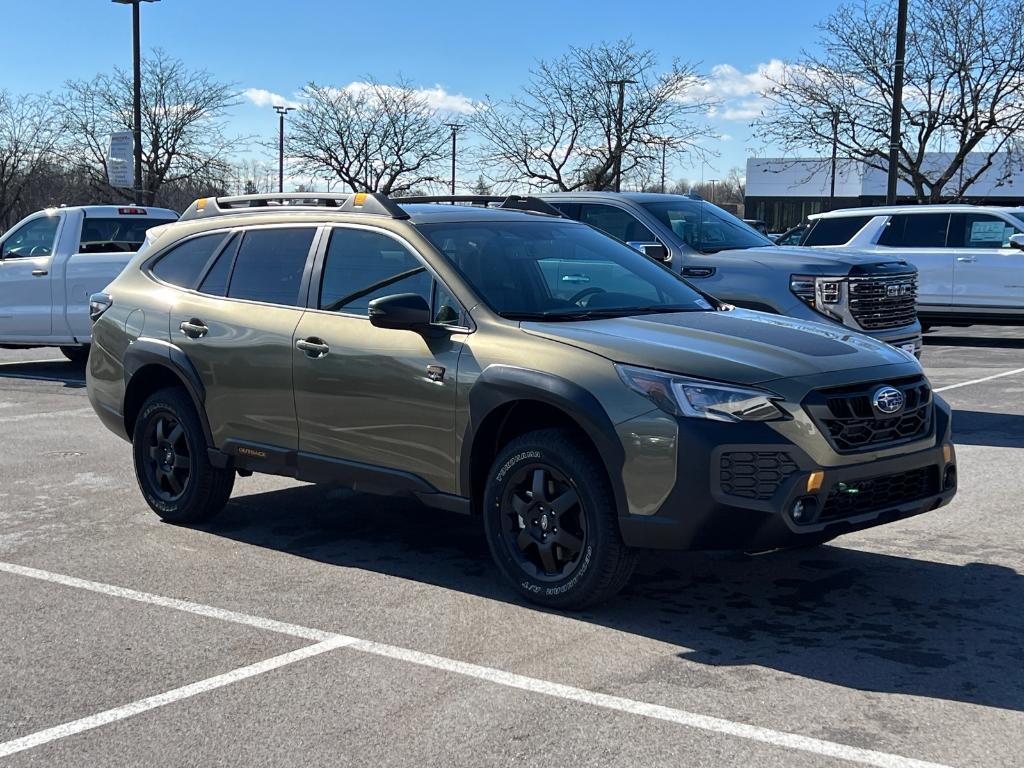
(343, 202)
(508, 202)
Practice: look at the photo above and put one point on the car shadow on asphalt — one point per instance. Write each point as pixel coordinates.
(71, 375)
(938, 340)
(1000, 430)
(857, 619)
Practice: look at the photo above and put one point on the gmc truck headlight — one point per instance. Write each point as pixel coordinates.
(698, 399)
(819, 293)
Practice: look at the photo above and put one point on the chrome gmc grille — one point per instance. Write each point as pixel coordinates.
(879, 303)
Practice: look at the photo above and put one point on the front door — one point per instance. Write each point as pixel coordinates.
(25, 260)
(988, 273)
(376, 396)
(238, 328)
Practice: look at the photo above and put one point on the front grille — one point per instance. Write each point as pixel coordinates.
(847, 418)
(879, 303)
(877, 493)
(755, 475)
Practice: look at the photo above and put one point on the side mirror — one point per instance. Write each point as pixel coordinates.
(654, 250)
(403, 311)
(1017, 241)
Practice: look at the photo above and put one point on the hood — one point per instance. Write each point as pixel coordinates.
(835, 261)
(739, 346)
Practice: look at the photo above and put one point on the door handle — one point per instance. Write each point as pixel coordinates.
(967, 259)
(194, 328)
(313, 347)
(39, 273)
(698, 271)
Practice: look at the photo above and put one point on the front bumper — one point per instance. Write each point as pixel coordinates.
(705, 512)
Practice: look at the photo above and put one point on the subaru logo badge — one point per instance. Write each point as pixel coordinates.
(888, 400)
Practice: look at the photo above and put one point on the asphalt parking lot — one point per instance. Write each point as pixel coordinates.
(316, 627)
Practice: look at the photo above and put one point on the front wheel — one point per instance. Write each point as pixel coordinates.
(171, 464)
(552, 524)
(77, 355)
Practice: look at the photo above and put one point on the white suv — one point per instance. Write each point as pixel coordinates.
(970, 259)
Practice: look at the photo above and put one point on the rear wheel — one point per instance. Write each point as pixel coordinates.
(77, 355)
(552, 524)
(171, 465)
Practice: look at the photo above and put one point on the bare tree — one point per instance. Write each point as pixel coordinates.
(963, 91)
(252, 176)
(184, 113)
(373, 137)
(563, 131)
(27, 136)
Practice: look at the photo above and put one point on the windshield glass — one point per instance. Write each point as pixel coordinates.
(559, 270)
(706, 227)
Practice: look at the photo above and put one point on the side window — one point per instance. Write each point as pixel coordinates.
(182, 265)
(362, 265)
(216, 280)
(446, 309)
(915, 230)
(269, 265)
(572, 210)
(617, 223)
(835, 231)
(34, 238)
(981, 230)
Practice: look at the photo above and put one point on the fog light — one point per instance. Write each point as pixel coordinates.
(949, 479)
(798, 511)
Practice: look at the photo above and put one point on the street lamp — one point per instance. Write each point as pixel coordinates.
(456, 127)
(712, 189)
(137, 94)
(897, 102)
(621, 83)
(281, 111)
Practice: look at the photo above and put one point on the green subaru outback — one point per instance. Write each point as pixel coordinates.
(500, 361)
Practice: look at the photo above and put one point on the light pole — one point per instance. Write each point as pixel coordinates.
(281, 111)
(621, 83)
(712, 181)
(456, 127)
(136, 94)
(833, 115)
(897, 101)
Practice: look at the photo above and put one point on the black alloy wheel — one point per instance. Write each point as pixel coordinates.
(169, 461)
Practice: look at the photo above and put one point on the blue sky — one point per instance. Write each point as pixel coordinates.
(462, 51)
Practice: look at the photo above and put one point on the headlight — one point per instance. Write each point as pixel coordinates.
(819, 293)
(694, 398)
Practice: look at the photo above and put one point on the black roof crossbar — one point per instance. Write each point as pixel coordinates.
(507, 202)
(343, 202)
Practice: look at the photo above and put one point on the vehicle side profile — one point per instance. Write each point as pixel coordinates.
(53, 260)
(582, 399)
(722, 255)
(970, 259)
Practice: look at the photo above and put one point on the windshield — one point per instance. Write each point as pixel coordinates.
(706, 227)
(559, 270)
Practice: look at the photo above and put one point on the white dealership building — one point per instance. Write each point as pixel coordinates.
(782, 192)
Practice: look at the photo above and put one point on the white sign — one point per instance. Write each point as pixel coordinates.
(121, 160)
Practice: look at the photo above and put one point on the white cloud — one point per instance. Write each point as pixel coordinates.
(739, 93)
(261, 97)
(437, 98)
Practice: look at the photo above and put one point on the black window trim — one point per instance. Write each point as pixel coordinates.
(230, 233)
(313, 299)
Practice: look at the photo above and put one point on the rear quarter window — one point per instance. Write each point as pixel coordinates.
(182, 265)
(835, 231)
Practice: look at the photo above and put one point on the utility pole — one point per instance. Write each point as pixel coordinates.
(456, 127)
(835, 150)
(136, 95)
(621, 83)
(664, 150)
(897, 100)
(713, 197)
(281, 111)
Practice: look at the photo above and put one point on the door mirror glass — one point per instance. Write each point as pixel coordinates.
(656, 251)
(1017, 241)
(402, 311)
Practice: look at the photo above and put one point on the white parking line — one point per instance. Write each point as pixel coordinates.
(979, 381)
(477, 671)
(46, 415)
(168, 697)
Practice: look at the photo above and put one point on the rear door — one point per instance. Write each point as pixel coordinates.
(920, 238)
(987, 272)
(236, 325)
(26, 258)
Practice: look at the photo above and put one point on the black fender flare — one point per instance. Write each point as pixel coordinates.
(146, 351)
(502, 384)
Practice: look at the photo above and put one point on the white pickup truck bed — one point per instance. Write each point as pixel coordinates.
(53, 260)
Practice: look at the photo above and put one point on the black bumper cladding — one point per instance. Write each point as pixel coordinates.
(737, 485)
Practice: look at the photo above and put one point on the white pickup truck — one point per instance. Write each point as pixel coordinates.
(53, 260)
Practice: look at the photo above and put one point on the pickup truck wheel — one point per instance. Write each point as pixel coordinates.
(77, 355)
(551, 522)
(171, 465)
